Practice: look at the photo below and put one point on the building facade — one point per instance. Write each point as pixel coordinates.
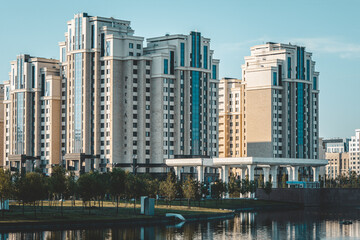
(354, 152)
(336, 145)
(32, 108)
(232, 137)
(282, 102)
(338, 164)
(129, 106)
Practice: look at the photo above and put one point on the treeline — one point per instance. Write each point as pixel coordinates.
(342, 181)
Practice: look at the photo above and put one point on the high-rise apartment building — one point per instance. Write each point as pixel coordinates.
(282, 102)
(354, 152)
(336, 145)
(232, 137)
(32, 108)
(2, 128)
(129, 106)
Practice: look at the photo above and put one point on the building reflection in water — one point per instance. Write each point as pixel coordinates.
(314, 224)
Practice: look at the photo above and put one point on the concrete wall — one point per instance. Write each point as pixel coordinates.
(314, 197)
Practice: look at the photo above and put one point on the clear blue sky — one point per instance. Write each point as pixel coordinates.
(330, 29)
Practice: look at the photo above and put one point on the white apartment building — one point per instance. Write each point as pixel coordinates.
(128, 106)
(354, 152)
(32, 114)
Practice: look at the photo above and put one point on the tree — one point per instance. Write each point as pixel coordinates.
(32, 188)
(217, 190)
(252, 187)
(86, 189)
(71, 187)
(268, 188)
(6, 187)
(189, 189)
(283, 180)
(153, 188)
(117, 185)
(135, 187)
(168, 188)
(260, 182)
(58, 183)
(244, 188)
(234, 188)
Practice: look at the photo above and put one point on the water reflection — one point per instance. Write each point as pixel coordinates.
(308, 223)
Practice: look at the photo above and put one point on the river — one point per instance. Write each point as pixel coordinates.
(309, 223)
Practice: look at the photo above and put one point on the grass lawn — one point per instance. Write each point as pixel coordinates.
(126, 210)
(78, 213)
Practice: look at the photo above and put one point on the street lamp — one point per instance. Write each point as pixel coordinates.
(134, 164)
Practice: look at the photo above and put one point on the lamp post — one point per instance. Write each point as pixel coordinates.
(134, 164)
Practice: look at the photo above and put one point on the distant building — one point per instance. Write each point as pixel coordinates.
(282, 102)
(232, 140)
(2, 129)
(336, 145)
(354, 152)
(338, 164)
(32, 106)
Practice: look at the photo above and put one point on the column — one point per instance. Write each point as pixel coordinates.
(225, 170)
(274, 170)
(290, 175)
(315, 173)
(251, 169)
(295, 172)
(220, 174)
(243, 173)
(266, 171)
(177, 173)
(200, 172)
(87, 165)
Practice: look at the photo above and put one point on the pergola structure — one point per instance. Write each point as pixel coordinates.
(268, 165)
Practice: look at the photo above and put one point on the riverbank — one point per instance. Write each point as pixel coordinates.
(79, 217)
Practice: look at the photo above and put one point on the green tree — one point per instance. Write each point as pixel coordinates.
(260, 182)
(189, 189)
(117, 185)
(244, 188)
(71, 187)
(234, 188)
(252, 187)
(168, 188)
(283, 180)
(217, 190)
(6, 187)
(32, 188)
(153, 188)
(135, 186)
(86, 189)
(58, 184)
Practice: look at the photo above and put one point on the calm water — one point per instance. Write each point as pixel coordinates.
(296, 224)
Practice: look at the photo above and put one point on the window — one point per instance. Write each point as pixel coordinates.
(275, 78)
(107, 48)
(182, 54)
(138, 46)
(166, 66)
(131, 45)
(131, 54)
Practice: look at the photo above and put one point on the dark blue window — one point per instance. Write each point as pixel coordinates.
(314, 83)
(275, 78)
(289, 67)
(33, 75)
(182, 54)
(205, 57)
(307, 69)
(195, 47)
(214, 71)
(166, 66)
(92, 36)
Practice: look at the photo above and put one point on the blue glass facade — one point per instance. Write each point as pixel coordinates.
(314, 83)
(20, 123)
(78, 103)
(205, 57)
(308, 69)
(289, 67)
(275, 78)
(214, 72)
(195, 113)
(166, 66)
(182, 54)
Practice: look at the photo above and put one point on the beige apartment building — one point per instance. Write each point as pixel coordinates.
(282, 102)
(232, 105)
(32, 108)
(338, 164)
